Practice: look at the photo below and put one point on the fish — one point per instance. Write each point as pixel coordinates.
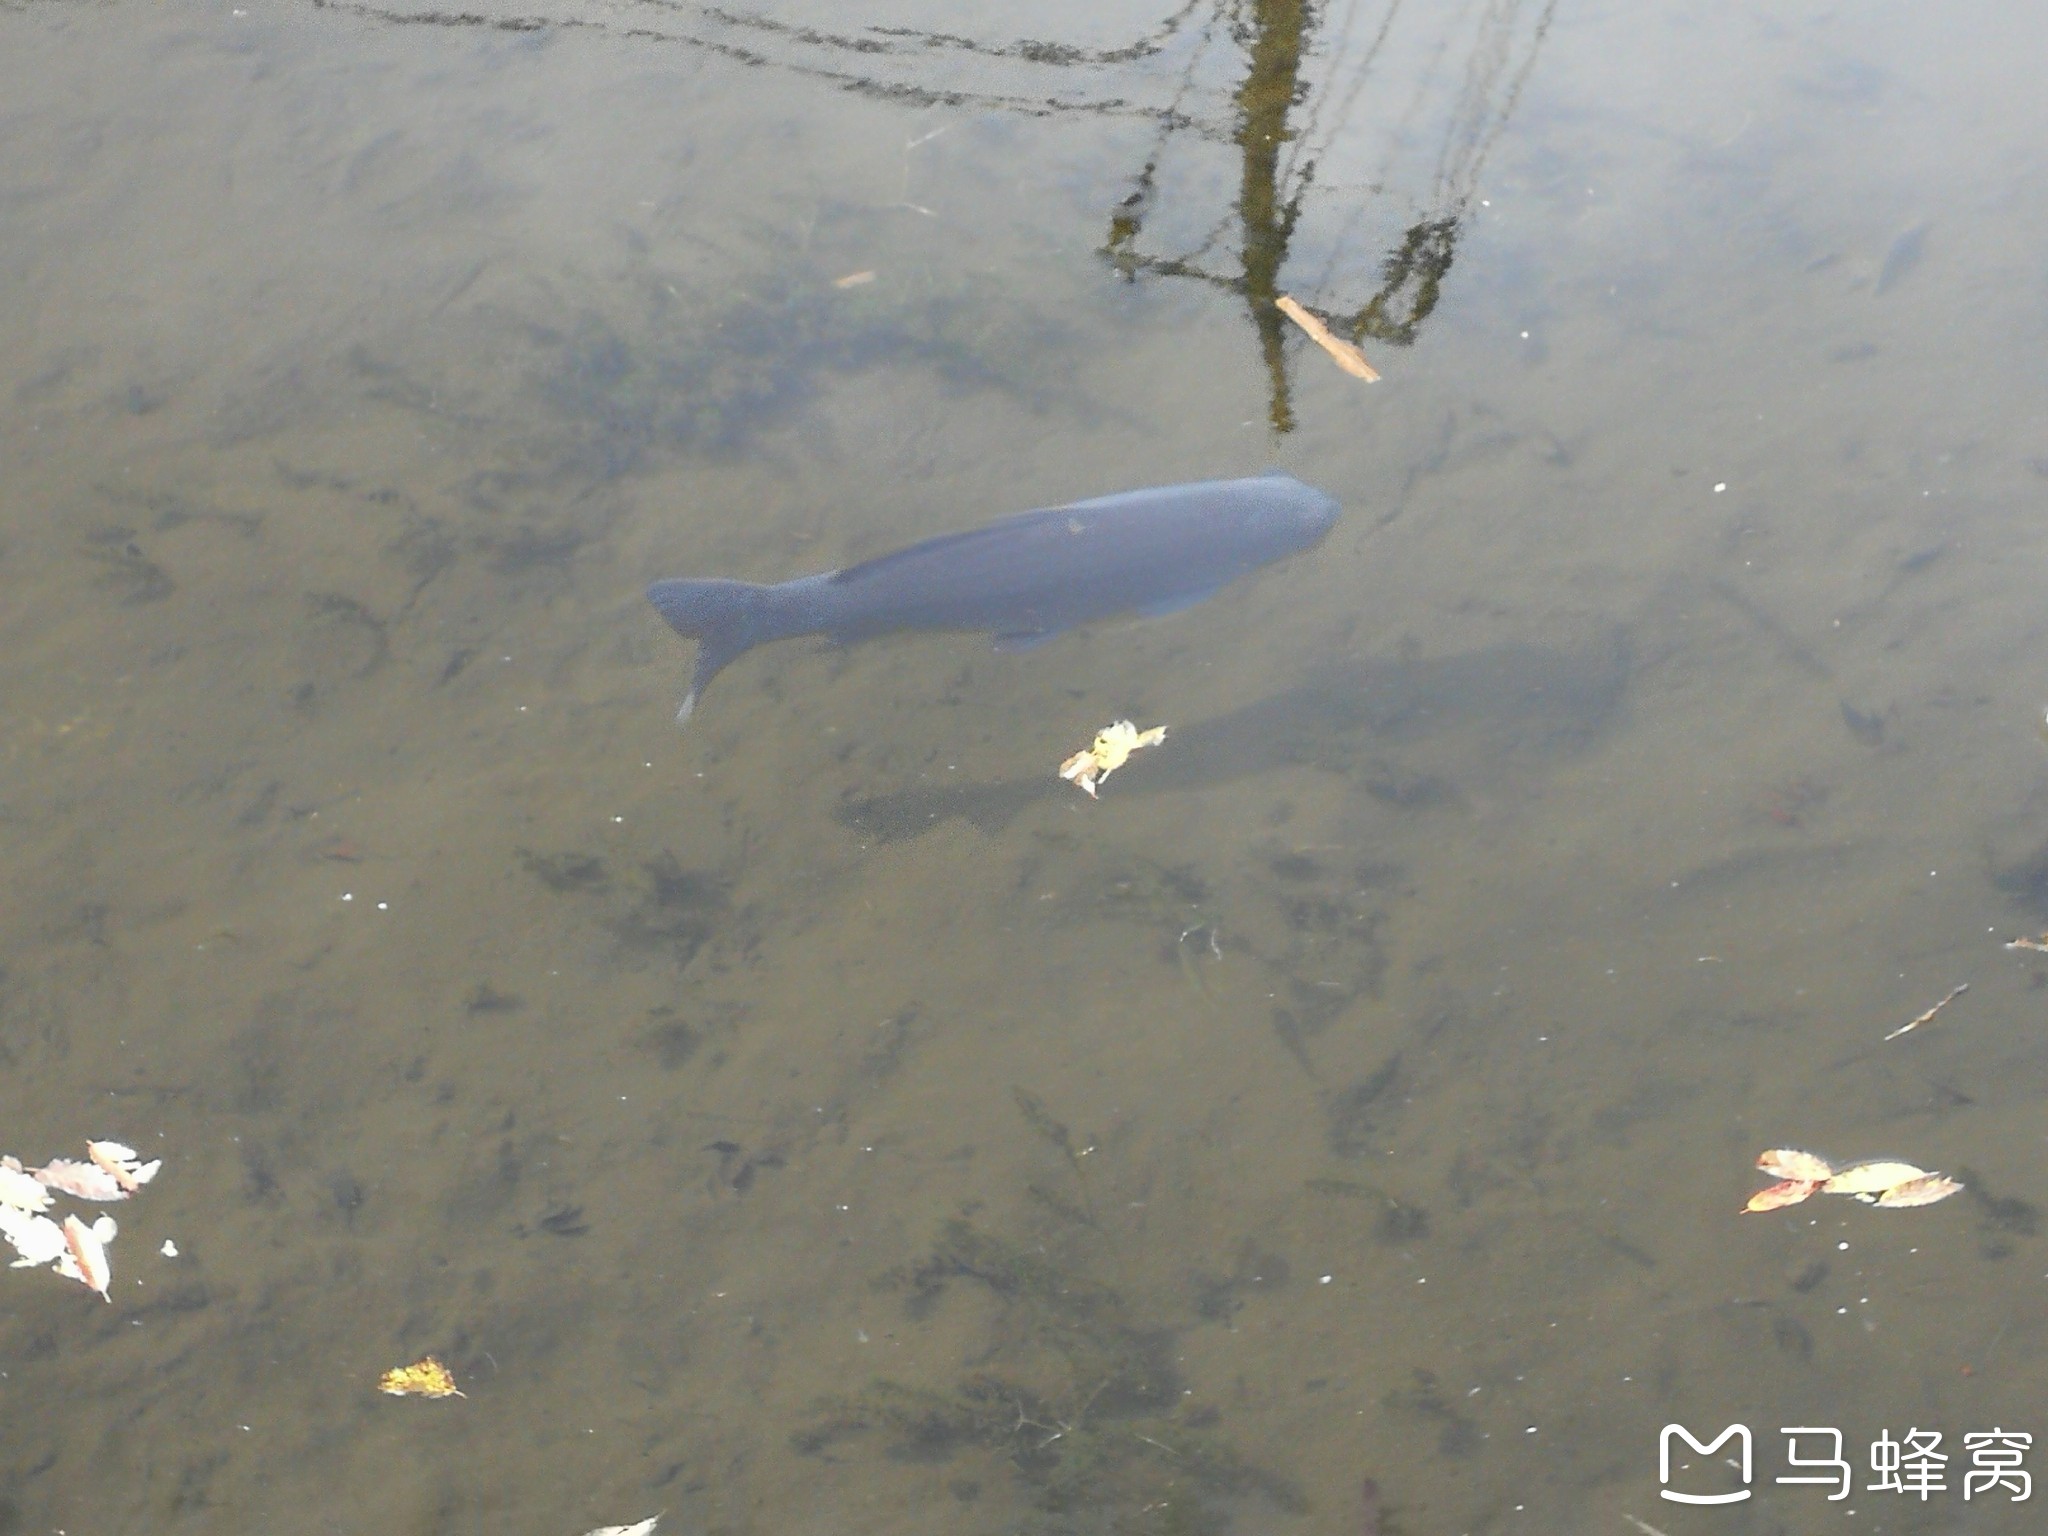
(1024, 579)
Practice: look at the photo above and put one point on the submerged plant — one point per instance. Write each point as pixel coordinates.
(1079, 1399)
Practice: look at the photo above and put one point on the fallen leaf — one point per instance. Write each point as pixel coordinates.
(37, 1239)
(425, 1377)
(1924, 1190)
(121, 1164)
(644, 1528)
(87, 1181)
(1789, 1192)
(1871, 1178)
(851, 280)
(1791, 1163)
(85, 1256)
(1345, 355)
(1111, 749)
(2040, 944)
(21, 1192)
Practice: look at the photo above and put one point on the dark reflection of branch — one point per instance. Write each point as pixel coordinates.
(870, 43)
(1271, 195)
(1059, 54)
(1277, 157)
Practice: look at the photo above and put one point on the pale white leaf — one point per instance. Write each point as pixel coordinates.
(21, 1192)
(1922, 1191)
(85, 1180)
(119, 1163)
(1791, 1163)
(644, 1528)
(1872, 1178)
(37, 1239)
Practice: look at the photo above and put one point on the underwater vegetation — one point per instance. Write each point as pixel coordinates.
(710, 376)
(1077, 1397)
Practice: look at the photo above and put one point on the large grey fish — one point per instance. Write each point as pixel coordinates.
(1026, 578)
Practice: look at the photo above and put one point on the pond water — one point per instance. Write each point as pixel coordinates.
(823, 1119)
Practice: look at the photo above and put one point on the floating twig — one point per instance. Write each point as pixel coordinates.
(1912, 1024)
(1345, 355)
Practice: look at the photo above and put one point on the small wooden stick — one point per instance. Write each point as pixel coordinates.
(1912, 1024)
(1346, 356)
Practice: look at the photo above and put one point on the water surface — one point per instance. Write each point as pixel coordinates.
(824, 1119)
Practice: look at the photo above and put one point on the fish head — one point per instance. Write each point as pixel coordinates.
(1290, 514)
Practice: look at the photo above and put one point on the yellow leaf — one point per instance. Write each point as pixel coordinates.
(425, 1377)
(1112, 748)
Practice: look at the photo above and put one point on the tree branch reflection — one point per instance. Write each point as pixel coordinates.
(1276, 82)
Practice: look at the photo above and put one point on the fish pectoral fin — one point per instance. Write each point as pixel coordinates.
(1178, 602)
(1024, 640)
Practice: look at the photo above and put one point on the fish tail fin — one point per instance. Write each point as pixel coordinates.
(725, 618)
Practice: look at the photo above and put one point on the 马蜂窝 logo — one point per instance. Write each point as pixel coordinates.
(1737, 1432)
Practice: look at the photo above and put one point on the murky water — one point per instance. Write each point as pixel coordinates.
(823, 1119)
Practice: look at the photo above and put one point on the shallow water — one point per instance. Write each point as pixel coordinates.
(823, 1119)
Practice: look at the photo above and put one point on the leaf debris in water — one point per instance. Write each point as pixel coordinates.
(124, 1165)
(1777, 1196)
(19, 1190)
(85, 1255)
(35, 1238)
(1112, 748)
(1884, 1182)
(1872, 1178)
(425, 1377)
(75, 1249)
(1791, 1163)
(1924, 1190)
